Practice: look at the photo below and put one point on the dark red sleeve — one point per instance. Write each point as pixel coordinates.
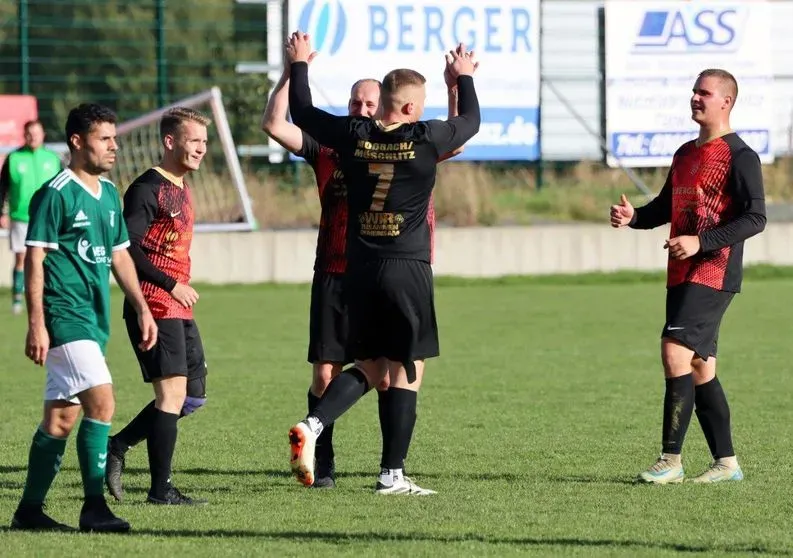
(141, 206)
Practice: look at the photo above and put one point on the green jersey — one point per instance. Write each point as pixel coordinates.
(23, 173)
(81, 230)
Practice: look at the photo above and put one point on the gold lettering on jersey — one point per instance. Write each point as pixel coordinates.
(399, 151)
(170, 244)
(380, 223)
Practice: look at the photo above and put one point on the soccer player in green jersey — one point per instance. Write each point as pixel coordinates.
(76, 235)
(23, 172)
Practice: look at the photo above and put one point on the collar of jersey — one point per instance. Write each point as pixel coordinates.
(168, 176)
(390, 127)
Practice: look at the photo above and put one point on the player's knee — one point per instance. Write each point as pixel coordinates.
(100, 409)
(323, 374)
(676, 358)
(192, 404)
(58, 427)
(196, 396)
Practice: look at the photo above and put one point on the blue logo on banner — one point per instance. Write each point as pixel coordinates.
(690, 30)
(328, 32)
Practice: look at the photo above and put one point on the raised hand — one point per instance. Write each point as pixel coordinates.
(298, 48)
(460, 62)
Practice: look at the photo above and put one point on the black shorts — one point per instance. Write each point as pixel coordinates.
(392, 311)
(328, 322)
(693, 316)
(178, 351)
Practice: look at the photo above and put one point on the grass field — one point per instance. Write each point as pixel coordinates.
(543, 407)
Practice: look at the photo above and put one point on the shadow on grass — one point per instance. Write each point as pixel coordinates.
(380, 536)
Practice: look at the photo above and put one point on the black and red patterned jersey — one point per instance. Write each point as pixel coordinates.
(714, 191)
(158, 209)
(332, 236)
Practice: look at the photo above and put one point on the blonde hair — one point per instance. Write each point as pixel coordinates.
(173, 118)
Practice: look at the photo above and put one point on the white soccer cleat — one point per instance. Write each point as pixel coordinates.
(402, 485)
(666, 470)
(719, 471)
(303, 443)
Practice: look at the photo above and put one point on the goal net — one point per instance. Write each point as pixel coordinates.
(219, 194)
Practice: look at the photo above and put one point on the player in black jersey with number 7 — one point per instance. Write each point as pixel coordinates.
(389, 164)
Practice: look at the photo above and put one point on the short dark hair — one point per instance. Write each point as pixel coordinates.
(173, 118)
(30, 123)
(724, 76)
(84, 117)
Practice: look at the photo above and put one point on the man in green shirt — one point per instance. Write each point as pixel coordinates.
(23, 172)
(75, 237)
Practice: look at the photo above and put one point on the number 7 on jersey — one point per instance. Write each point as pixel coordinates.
(385, 174)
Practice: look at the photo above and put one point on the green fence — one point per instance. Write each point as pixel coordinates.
(134, 56)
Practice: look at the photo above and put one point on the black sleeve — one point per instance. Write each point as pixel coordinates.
(329, 130)
(747, 177)
(5, 181)
(658, 212)
(454, 132)
(310, 150)
(140, 209)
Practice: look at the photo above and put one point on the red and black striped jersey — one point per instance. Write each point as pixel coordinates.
(159, 215)
(332, 235)
(713, 191)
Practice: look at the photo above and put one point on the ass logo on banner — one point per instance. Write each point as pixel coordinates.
(691, 30)
(326, 22)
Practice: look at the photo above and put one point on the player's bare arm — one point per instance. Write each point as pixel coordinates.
(274, 121)
(37, 342)
(329, 130)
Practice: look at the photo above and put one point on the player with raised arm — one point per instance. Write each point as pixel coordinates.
(75, 237)
(714, 199)
(389, 165)
(328, 322)
(158, 209)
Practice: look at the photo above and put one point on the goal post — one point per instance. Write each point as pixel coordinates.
(220, 196)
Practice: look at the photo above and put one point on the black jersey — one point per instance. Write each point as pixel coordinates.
(389, 170)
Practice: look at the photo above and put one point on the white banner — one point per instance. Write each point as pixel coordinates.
(654, 51)
(368, 38)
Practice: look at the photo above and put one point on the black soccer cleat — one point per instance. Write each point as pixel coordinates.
(96, 517)
(173, 497)
(33, 518)
(325, 474)
(113, 469)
